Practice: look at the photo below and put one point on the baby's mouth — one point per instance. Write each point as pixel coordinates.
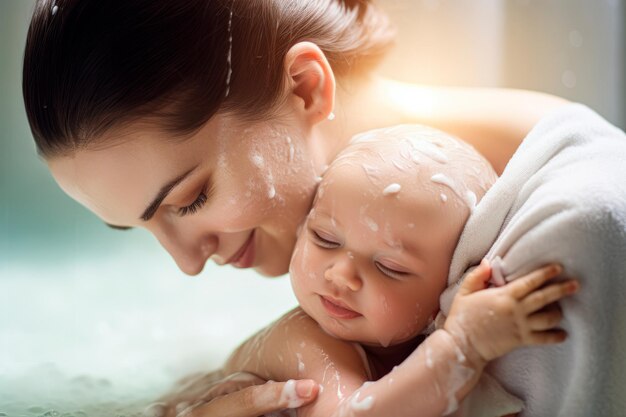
(337, 309)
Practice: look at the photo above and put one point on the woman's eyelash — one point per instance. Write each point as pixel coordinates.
(195, 206)
(390, 272)
(324, 243)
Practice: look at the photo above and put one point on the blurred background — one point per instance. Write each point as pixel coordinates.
(94, 320)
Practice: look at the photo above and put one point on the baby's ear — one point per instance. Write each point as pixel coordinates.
(311, 81)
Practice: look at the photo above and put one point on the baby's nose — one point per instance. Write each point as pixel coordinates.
(343, 273)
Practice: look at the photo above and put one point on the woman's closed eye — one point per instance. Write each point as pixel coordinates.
(192, 208)
(324, 241)
(390, 272)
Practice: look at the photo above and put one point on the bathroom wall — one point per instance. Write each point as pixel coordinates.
(572, 48)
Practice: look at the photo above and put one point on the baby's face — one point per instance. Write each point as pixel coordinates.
(374, 253)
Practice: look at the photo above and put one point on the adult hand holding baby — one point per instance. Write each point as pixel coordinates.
(238, 395)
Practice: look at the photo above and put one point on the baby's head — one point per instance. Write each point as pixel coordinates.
(373, 256)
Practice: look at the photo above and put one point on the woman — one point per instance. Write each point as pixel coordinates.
(208, 122)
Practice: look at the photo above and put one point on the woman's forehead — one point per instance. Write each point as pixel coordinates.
(116, 182)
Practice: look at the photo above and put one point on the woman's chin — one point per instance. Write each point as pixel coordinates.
(271, 271)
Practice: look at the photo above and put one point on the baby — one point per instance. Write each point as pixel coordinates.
(369, 266)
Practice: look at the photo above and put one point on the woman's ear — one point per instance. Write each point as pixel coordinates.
(310, 81)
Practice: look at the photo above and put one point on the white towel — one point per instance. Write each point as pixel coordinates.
(561, 198)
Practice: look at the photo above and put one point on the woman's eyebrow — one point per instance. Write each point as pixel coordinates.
(165, 190)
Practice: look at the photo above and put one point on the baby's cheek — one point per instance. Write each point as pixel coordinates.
(301, 266)
(386, 321)
(401, 321)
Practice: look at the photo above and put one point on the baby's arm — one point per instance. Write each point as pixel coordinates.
(295, 347)
(483, 324)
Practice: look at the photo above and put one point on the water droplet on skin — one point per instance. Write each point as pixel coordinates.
(272, 192)
(443, 197)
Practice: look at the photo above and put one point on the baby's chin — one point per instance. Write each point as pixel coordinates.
(382, 342)
(354, 338)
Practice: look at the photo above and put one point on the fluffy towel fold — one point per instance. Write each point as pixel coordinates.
(561, 198)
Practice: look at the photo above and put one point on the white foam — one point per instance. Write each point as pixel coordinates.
(289, 395)
(257, 160)
(361, 405)
(392, 189)
(430, 150)
(300, 362)
(429, 358)
(468, 197)
(292, 150)
(230, 52)
(444, 180)
(371, 224)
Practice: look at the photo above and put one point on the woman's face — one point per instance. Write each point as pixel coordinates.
(232, 192)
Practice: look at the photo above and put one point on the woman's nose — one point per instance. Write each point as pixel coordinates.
(190, 253)
(343, 273)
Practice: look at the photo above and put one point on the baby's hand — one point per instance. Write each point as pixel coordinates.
(490, 323)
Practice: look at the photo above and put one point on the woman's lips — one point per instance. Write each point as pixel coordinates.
(244, 258)
(333, 308)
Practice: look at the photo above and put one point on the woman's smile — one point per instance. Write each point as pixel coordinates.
(244, 257)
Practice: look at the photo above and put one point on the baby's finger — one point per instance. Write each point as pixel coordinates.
(547, 295)
(477, 279)
(545, 319)
(523, 286)
(547, 337)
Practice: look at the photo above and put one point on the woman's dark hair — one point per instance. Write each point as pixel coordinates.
(92, 65)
